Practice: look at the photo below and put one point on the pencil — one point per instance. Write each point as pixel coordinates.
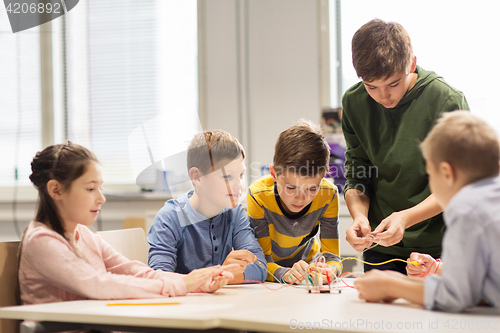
(170, 303)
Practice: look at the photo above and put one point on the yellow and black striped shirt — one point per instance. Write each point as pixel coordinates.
(287, 239)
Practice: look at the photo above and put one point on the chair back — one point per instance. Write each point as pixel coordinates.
(132, 243)
(8, 283)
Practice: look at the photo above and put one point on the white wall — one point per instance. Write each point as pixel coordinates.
(260, 70)
(264, 65)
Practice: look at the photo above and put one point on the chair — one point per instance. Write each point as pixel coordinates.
(132, 243)
(134, 222)
(8, 282)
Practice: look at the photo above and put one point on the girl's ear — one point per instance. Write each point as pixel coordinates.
(195, 175)
(54, 188)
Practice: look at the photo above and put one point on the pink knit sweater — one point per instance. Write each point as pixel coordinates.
(50, 271)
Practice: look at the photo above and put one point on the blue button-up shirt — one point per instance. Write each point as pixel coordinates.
(471, 250)
(182, 240)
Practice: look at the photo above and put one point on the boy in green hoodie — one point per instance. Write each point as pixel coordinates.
(385, 116)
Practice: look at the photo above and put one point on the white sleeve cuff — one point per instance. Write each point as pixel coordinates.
(431, 283)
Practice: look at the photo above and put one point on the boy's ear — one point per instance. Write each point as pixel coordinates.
(272, 171)
(195, 175)
(55, 189)
(449, 173)
(413, 64)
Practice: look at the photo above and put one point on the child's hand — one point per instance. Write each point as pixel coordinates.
(425, 261)
(240, 257)
(391, 229)
(374, 286)
(231, 268)
(328, 272)
(357, 234)
(297, 273)
(219, 281)
(198, 277)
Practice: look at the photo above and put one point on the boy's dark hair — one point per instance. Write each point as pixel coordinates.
(466, 142)
(209, 149)
(381, 50)
(64, 163)
(301, 149)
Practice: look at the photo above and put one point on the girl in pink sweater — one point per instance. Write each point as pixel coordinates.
(62, 260)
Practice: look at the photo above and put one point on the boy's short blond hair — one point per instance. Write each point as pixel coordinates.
(380, 50)
(466, 142)
(209, 149)
(301, 149)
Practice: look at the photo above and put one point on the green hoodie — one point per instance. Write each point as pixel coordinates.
(383, 158)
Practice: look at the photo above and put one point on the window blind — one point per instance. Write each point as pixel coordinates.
(128, 62)
(20, 101)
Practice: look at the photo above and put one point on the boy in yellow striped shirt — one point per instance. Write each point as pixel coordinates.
(289, 207)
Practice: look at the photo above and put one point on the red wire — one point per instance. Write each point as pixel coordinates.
(437, 267)
(289, 284)
(438, 261)
(344, 274)
(349, 273)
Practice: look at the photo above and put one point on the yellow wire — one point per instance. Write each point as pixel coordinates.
(382, 263)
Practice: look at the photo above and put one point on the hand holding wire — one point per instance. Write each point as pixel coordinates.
(328, 273)
(318, 276)
(356, 234)
(242, 258)
(297, 273)
(419, 263)
(391, 229)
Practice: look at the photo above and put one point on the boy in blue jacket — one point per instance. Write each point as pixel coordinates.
(207, 226)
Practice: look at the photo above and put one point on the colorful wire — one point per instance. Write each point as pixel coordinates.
(320, 259)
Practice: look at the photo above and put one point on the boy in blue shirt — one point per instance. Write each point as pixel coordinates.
(462, 156)
(207, 226)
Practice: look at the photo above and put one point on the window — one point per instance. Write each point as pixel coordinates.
(117, 65)
(127, 63)
(453, 38)
(20, 100)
